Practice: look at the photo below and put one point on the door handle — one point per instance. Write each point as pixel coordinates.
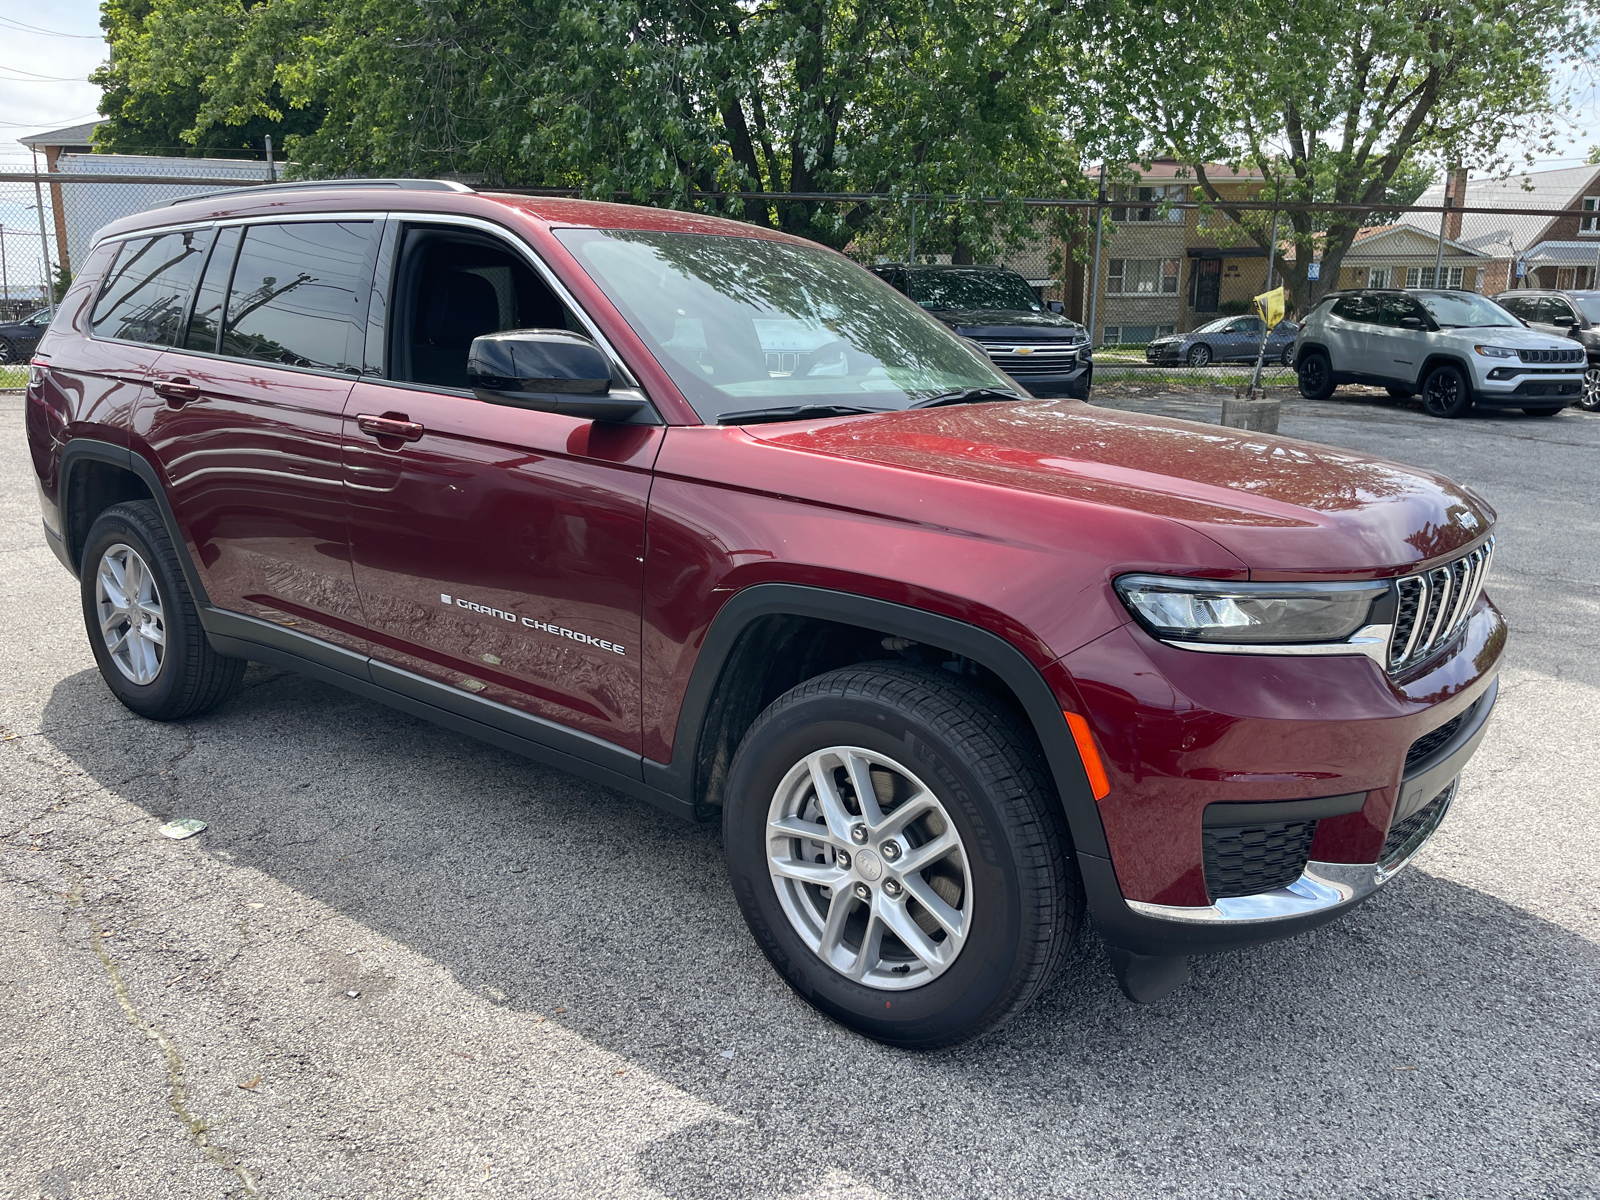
(396, 426)
(177, 391)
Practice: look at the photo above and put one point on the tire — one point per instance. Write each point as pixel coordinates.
(1445, 392)
(1286, 358)
(8, 353)
(1591, 389)
(1199, 356)
(1316, 375)
(166, 677)
(905, 729)
(1545, 410)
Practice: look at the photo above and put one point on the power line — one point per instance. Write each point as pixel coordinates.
(46, 78)
(93, 37)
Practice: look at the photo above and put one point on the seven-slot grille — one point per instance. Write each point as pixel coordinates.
(1551, 356)
(1435, 604)
(1031, 358)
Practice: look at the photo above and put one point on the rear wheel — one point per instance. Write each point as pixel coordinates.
(8, 352)
(1545, 410)
(1286, 359)
(1444, 392)
(1316, 375)
(900, 855)
(1199, 356)
(142, 622)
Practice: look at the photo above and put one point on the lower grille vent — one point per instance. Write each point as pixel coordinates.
(1248, 859)
(1431, 741)
(1405, 836)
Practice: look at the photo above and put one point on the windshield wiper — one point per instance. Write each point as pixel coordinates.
(972, 395)
(793, 412)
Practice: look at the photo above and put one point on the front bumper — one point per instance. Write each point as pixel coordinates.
(1513, 386)
(1074, 383)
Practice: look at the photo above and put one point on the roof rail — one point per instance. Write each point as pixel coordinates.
(410, 185)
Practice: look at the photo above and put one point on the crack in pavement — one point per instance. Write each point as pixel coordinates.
(177, 1088)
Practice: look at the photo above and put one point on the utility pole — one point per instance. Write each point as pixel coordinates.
(5, 277)
(272, 169)
(1444, 220)
(1094, 271)
(44, 240)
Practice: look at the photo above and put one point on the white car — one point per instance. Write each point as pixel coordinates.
(1456, 349)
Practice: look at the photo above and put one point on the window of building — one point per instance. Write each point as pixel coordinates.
(1422, 277)
(1129, 335)
(1142, 277)
(1591, 224)
(1147, 204)
(297, 295)
(1378, 277)
(147, 289)
(1166, 330)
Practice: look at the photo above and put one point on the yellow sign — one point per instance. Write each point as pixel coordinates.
(1270, 306)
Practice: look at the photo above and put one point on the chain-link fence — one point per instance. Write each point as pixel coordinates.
(1162, 275)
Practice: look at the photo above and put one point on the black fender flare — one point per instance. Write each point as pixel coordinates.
(1306, 348)
(1441, 358)
(992, 651)
(94, 450)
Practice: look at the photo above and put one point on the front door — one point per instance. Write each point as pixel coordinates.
(247, 421)
(1401, 350)
(1207, 284)
(497, 550)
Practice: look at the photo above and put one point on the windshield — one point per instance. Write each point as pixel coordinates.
(1216, 326)
(972, 289)
(1590, 305)
(745, 323)
(1463, 310)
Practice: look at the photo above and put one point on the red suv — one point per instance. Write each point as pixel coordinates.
(714, 517)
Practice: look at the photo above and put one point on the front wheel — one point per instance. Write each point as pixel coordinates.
(142, 622)
(1591, 390)
(899, 854)
(8, 353)
(1316, 375)
(1199, 356)
(1286, 359)
(1445, 393)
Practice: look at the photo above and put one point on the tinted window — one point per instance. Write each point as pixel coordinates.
(1554, 308)
(147, 288)
(1519, 306)
(297, 294)
(1357, 308)
(1394, 309)
(206, 321)
(1004, 290)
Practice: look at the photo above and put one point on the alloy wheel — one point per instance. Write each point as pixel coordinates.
(8, 352)
(132, 620)
(1200, 356)
(1591, 390)
(869, 868)
(1442, 394)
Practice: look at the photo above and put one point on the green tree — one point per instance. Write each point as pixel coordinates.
(153, 95)
(644, 97)
(1332, 99)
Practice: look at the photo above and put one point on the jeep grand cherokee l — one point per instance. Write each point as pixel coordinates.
(954, 667)
(1029, 339)
(1456, 348)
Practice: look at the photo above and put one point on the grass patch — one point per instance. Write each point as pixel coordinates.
(14, 377)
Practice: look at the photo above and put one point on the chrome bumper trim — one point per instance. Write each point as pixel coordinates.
(1370, 640)
(1322, 886)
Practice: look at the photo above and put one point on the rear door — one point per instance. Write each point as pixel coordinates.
(247, 418)
(497, 550)
(1349, 332)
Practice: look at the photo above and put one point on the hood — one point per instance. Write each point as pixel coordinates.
(1283, 507)
(1514, 337)
(1007, 322)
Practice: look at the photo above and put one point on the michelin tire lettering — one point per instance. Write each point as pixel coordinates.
(533, 623)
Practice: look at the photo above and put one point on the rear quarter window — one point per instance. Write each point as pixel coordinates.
(145, 294)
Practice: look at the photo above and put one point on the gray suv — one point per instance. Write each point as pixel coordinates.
(1455, 349)
(1574, 315)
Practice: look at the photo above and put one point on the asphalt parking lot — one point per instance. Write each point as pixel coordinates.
(400, 963)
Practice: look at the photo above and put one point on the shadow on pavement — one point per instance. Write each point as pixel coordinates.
(1436, 1034)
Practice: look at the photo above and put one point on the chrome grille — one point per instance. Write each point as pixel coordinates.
(1432, 606)
(1551, 356)
(1031, 358)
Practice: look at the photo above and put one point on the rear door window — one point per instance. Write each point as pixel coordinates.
(298, 296)
(1522, 307)
(1357, 308)
(146, 292)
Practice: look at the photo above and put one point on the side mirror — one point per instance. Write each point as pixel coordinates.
(1056, 307)
(1567, 322)
(1413, 323)
(548, 370)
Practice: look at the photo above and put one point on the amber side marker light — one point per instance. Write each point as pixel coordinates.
(1099, 784)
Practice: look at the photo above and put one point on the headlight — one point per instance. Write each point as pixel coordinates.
(1496, 351)
(1198, 610)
